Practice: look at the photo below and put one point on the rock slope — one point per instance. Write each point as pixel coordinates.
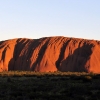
(50, 54)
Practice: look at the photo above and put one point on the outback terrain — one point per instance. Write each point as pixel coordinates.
(50, 68)
(29, 85)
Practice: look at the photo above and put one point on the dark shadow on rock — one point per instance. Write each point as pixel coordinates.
(76, 61)
(61, 56)
(16, 62)
(40, 55)
(22, 62)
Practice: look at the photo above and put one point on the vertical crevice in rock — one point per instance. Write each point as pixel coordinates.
(20, 44)
(40, 54)
(61, 56)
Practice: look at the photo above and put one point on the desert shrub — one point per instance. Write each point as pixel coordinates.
(96, 76)
(91, 73)
(9, 79)
(87, 79)
(74, 77)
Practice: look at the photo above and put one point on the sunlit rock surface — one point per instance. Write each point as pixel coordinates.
(50, 54)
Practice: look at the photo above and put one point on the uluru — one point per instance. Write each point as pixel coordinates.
(50, 54)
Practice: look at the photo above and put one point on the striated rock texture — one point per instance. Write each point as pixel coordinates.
(50, 54)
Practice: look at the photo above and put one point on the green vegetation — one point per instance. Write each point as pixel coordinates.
(28, 85)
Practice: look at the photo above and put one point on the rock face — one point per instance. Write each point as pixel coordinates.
(50, 54)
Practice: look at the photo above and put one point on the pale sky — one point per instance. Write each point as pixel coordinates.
(44, 18)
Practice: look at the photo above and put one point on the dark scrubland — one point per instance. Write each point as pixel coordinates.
(28, 85)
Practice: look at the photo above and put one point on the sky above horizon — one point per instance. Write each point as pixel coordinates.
(43, 18)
